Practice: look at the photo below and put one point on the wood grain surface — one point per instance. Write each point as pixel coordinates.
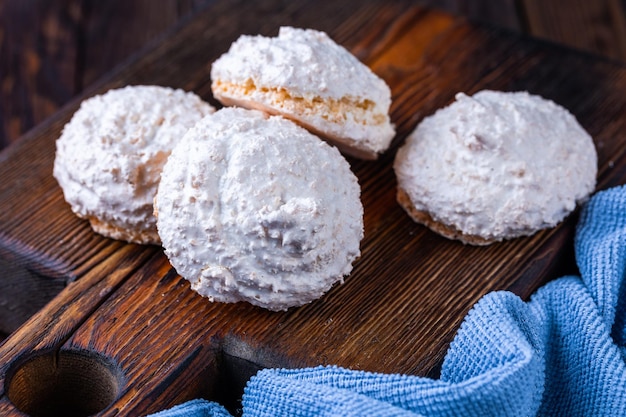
(397, 311)
(51, 50)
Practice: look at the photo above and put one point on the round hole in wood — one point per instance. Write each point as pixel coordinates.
(69, 383)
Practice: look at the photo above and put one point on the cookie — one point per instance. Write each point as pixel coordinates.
(109, 156)
(495, 166)
(255, 208)
(305, 76)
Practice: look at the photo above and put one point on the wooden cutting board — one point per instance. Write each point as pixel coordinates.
(115, 330)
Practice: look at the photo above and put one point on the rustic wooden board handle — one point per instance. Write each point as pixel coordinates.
(67, 382)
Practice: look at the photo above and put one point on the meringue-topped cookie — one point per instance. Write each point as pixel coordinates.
(495, 166)
(110, 154)
(305, 76)
(254, 208)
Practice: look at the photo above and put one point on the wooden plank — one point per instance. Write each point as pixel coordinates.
(37, 57)
(179, 354)
(46, 331)
(594, 26)
(51, 50)
(15, 307)
(503, 13)
(53, 324)
(116, 29)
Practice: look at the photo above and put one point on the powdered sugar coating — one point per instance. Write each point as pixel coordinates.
(110, 155)
(254, 208)
(497, 165)
(304, 75)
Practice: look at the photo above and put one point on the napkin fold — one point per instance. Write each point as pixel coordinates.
(194, 408)
(560, 354)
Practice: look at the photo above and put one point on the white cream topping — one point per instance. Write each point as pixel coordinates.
(498, 165)
(296, 70)
(255, 208)
(109, 156)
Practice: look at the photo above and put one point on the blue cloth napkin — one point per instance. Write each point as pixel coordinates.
(560, 354)
(194, 408)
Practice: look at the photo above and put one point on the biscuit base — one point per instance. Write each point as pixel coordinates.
(444, 230)
(118, 233)
(344, 145)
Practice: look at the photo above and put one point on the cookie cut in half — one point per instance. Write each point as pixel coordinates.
(255, 208)
(305, 76)
(110, 154)
(495, 166)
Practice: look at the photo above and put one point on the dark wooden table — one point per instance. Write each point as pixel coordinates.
(101, 325)
(50, 50)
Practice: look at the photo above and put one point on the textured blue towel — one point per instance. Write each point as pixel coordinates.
(560, 354)
(195, 408)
